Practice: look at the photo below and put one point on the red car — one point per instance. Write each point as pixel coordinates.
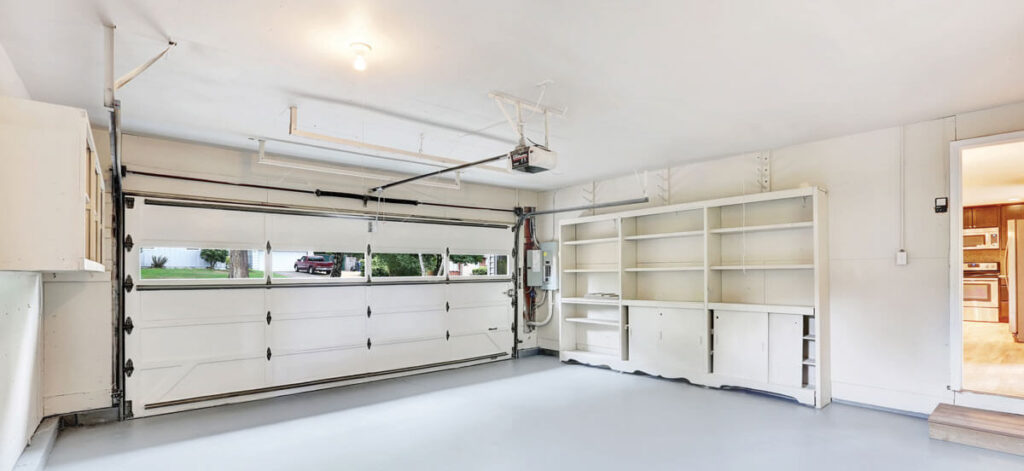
(313, 264)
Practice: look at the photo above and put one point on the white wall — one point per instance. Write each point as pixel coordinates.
(21, 362)
(10, 81)
(890, 324)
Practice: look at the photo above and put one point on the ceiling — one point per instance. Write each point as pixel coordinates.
(993, 174)
(646, 84)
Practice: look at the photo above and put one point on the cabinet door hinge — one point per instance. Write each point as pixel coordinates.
(129, 368)
(128, 283)
(129, 326)
(128, 243)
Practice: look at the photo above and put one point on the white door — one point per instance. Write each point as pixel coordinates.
(741, 344)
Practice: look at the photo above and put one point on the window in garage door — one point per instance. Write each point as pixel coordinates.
(405, 265)
(195, 263)
(321, 265)
(477, 265)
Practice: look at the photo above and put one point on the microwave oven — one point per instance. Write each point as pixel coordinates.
(984, 238)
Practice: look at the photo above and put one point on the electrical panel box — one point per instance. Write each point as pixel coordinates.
(541, 268)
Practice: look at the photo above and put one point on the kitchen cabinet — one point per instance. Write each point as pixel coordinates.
(981, 216)
(671, 341)
(51, 189)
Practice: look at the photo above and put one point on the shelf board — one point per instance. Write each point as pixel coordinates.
(811, 338)
(591, 270)
(590, 321)
(603, 302)
(809, 362)
(663, 269)
(605, 240)
(669, 304)
(774, 308)
(664, 235)
(584, 353)
(766, 227)
(780, 266)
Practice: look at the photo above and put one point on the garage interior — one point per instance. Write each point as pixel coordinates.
(479, 235)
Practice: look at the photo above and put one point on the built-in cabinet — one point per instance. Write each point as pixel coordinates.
(981, 216)
(51, 189)
(727, 292)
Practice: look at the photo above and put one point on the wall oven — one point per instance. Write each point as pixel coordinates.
(981, 292)
(984, 238)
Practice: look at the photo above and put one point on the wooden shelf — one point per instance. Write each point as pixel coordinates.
(811, 338)
(780, 266)
(669, 304)
(809, 362)
(664, 235)
(590, 321)
(603, 302)
(664, 269)
(592, 270)
(605, 240)
(766, 227)
(775, 308)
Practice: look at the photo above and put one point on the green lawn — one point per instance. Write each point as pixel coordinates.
(192, 273)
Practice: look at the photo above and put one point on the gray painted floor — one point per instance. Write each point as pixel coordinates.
(534, 413)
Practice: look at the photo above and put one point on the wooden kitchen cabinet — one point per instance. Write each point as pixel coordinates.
(982, 216)
(51, 189)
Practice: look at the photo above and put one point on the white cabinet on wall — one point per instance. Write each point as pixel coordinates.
(51, 189)
(727, 292)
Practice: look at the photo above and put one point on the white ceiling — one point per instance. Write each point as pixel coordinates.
(993, 174)
(646, 84)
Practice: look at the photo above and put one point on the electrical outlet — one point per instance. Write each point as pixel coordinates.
(901, 257)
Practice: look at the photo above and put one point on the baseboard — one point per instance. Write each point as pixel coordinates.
(889, 399)
(34, 457)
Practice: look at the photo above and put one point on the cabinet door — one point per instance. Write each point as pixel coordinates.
(684, 341)
(968, 218)
(785, 349)
(741, 344)
(644, 334)
(986, 216)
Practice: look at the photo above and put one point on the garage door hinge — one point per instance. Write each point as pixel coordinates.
(128, 283)
(447, 335)
(268, 317)
(268, 246)
(129, 326)
(368, 312)
(269, 354)
(128, 244)
(368, 343)
(129, 368)
(447, 307)
(129, 202)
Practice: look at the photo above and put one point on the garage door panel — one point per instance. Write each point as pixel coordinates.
(296, 335)
(480, 344)
(412, 325)
(406, 298)
(342, 300)
(191, 342)
(194, 379)
(475, 294)
(389, 356)
(200, 227)
(310, 366)
(479, 319)
(177, 306)
(288, 232)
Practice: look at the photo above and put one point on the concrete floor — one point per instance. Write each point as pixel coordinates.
(993, 361)
(534, 413)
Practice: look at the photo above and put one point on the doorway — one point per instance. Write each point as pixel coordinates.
(987, 273)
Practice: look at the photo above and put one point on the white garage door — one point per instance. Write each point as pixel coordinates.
(229, 305)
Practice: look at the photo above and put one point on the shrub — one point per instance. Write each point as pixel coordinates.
(213, 256)
(159, 261)
(480, 271)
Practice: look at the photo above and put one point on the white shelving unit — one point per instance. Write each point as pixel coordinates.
(726, 292)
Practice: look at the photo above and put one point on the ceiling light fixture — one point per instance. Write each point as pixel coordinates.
(362, 50)
(1014, 199)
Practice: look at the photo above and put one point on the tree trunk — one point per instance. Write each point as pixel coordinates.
(239, 264)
